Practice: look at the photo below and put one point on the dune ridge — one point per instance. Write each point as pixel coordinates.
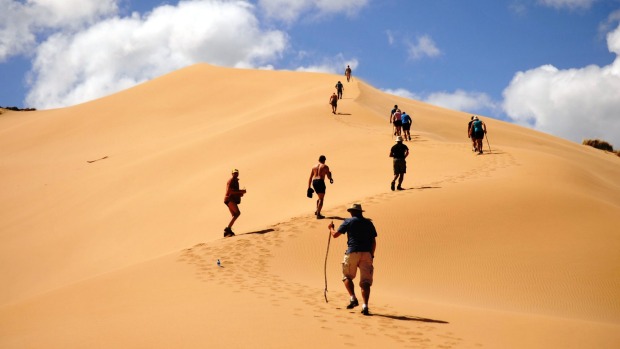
(111, 216)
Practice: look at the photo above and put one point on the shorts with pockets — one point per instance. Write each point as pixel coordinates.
(361, 260)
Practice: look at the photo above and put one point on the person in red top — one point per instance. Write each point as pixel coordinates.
(333, 101)
(232, 199)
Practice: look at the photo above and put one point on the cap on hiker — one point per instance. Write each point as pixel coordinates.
(235, 170)
(399, 138)
(475, 118)
(355, 207)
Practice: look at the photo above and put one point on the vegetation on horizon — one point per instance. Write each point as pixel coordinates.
(17, 109)
(599, 144)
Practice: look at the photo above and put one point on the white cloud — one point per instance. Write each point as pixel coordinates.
(425, 46)
(291, 10)
(334, 65)
(116, 53)
(457, 100)
(20, 21)
(570, 4)
(463, 101)
(401, 92)
(612, 21)
(573, 103)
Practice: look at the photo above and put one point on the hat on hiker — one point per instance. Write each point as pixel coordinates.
(399, 138)
(355, 207)
(235, 170)
(475, 118)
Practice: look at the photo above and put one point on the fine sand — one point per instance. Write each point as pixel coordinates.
(112, 215)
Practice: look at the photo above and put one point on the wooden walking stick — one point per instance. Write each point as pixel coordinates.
(487, 137)
(329, 239)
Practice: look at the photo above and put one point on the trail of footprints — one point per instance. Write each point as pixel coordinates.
(246, 260)
(245, 266)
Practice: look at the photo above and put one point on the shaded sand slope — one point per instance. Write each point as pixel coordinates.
(517, 248)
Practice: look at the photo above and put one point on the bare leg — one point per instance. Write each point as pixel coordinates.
(234, 211)
(348, 284)
(400, 180)
(319, 204)
(365, 293)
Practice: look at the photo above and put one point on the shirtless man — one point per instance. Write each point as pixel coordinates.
(317, 180)
(347, 73)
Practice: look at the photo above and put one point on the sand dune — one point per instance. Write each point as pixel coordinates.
(111, 219)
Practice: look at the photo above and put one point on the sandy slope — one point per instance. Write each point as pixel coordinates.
(513, 249)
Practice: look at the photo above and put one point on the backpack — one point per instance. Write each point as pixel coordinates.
(396, 116)
(477, 126)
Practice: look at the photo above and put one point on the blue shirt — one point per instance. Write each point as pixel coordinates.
(360, 232)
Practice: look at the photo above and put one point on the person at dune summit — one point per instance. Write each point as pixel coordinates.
(347, 73)
(339, 88)
(333, 100)
(399, 153)
(317, 181)
(360, 253)
(232, 199)
(477, 131)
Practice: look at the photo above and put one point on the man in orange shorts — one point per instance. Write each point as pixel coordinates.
(361, 242)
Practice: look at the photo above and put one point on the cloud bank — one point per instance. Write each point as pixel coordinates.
(576, 103)
(83, 49)
(116, 53)
(471, 102)
(20, 22)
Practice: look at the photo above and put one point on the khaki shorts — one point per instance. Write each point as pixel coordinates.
(361, 260)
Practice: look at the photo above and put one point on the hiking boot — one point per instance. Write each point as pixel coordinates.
(228, 232)
(392, 186)
(354, 303)
(365, 311)
(400, 188)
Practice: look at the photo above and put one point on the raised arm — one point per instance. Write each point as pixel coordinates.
(333, 231)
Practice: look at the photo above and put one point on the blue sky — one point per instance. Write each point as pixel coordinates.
(551, 65)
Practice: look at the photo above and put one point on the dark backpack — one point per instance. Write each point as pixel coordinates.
(477, 126)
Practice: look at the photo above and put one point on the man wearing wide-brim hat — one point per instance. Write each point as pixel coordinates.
(361, 242)
(399, 152)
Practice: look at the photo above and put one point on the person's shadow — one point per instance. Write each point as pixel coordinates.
(335, 217)
(260, 232)
(409, 318)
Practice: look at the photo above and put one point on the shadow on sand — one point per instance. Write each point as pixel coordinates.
(261, 232)
(410, 318)
(334, 217)
(424, 187)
